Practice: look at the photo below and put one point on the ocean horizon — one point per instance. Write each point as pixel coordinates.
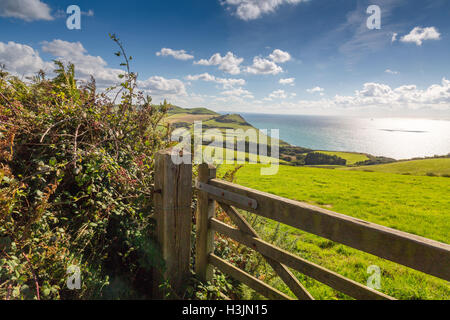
(398, 138)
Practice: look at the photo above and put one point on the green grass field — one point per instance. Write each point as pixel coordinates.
(437, 167)
(415, 204)
(351, 157)
(177, 110)
(188, 117)
(233, 155)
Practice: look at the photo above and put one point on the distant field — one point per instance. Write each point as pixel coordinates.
(187, 117)
(233, 155)
(415, 204)
(176, 110)
(437, 167)
(351, 157)
(231, 121)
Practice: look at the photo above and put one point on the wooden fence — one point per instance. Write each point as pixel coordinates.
(416, 252)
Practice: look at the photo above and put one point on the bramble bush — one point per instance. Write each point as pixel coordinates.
(76, 182)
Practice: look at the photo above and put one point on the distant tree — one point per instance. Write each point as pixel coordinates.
(317, 158)
(374, 161)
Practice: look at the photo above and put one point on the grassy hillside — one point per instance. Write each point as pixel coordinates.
(431, 167)
(187, 118)
(233, 155)
(351, 157)
(414, 204)
(177, 110)
(228, 121)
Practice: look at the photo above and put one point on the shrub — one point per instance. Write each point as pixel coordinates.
(76, 176)
(317, 158)
(374, 161)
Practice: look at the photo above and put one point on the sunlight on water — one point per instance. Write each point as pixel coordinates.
(390, 137)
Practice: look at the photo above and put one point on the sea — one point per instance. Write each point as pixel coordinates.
(398, 138)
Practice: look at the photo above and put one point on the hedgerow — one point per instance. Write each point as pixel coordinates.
(76, 182)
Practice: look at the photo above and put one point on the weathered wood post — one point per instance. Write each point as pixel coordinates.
(205, 236)
(172, 198)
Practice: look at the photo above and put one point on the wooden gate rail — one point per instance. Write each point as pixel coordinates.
(283, 272)
(330, 278)
(254, 283)
(428, 256)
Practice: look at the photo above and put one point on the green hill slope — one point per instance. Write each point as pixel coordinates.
(430, 167)
(351, 157)
(415, 204)
(177, 110)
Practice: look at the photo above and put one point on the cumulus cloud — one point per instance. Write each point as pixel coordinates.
(226, 83)
(437, 96)
(160, 86)
(28, 10)
(279, 56)
(418, 35)
(287, 81)
(278, 94)
(253, 9)
(316, 90)
(85, 64)
(239, 92)
(269, 65)
(263, 66)
(177, 54)
(21, 59)
(228, 63)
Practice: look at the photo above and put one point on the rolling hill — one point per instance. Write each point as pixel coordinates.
(425, 167)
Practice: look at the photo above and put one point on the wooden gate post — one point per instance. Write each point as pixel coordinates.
(205, 236)
(172, 198)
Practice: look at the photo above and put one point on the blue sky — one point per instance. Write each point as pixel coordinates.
(266, 56)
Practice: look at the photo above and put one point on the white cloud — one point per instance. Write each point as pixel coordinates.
(316, 90)
(21, 59)
(227, 83)
(160, 86)
(279, 56)
(28, 10)
(278, 94)
(253, 9)
(372, 98)
(437, 96)
(263, 66)
(394, 37)
(177, 54)
(85, 64)
(269, 65)
(228, 63)
(418, 35)
(391, 71)
(239, 92)
(287, 81)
